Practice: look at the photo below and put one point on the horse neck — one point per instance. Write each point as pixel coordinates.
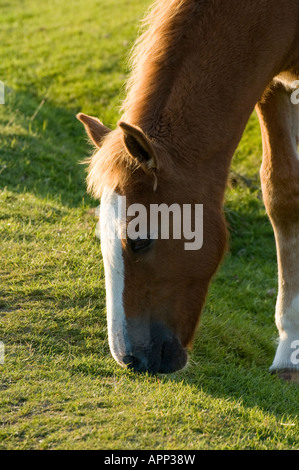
(201, 97)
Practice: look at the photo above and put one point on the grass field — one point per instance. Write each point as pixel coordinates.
(59, 386)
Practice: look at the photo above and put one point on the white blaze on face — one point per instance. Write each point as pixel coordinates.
(110, 226)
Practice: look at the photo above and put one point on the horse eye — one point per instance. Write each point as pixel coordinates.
(139, 244)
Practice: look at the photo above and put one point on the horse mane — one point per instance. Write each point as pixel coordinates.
(154, 60)
(158, 50)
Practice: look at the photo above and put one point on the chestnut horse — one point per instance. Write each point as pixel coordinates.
(198, 71)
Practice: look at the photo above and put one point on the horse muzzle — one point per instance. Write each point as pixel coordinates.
(151, 348)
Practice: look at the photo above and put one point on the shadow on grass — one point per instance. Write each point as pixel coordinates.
(249, 384)
(41, 147)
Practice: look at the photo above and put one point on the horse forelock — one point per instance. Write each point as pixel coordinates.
(110, 167)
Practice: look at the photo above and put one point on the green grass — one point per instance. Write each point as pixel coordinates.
(60, 387)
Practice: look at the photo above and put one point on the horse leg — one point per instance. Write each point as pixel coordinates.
(279, 120)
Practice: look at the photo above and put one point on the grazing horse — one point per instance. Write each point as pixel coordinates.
(199, 70)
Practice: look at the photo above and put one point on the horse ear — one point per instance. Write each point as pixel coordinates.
(94, 128)
(139, 146)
